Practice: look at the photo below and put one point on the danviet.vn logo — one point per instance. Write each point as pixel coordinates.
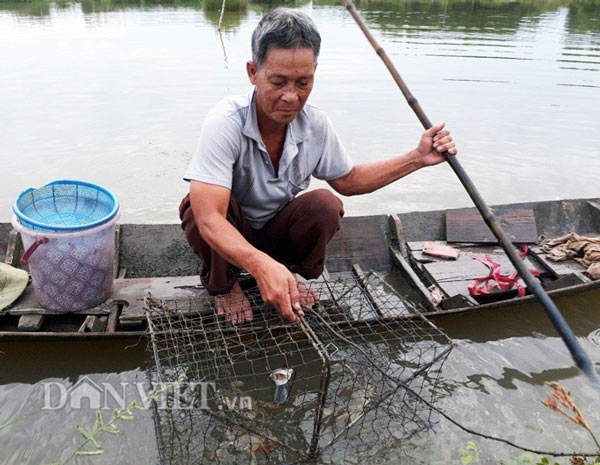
(104, 395)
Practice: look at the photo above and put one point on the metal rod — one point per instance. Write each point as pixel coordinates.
(324, 381)
(577, 353)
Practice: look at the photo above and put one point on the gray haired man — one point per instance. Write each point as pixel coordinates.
(255, 154)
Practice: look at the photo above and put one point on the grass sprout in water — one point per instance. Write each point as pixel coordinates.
(560, 401)
(110, 427)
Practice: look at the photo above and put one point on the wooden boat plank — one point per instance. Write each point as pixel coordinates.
(516, 301)
(593, 285)
(375, 262)
(94, 324)
(458, 301)
(413, 279)
(558, 269)
(468, 226)
(361, 240)
(568, 280)
(30, 322)
(161, 250)
(454, 280)
(28, 305)
(447, 270)
(555, 219)
(397, 233)
(453, 277)
(58, 336)
(113, 318)
(5, 229)
(67, 336)
(132, 291)
(594, 206)
(14, 249)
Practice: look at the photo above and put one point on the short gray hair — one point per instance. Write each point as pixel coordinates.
(284, 28)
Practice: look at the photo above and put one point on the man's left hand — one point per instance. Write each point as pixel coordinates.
(434, 142)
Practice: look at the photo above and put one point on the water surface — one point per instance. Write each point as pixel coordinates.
(116, 93)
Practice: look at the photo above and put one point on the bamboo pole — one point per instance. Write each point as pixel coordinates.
(565, 332)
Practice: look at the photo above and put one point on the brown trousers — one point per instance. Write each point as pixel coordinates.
(297, 237)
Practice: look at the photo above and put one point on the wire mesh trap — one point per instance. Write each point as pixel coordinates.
(341, 385)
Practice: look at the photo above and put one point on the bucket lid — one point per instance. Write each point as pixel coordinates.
(13, 282)
(65, 205)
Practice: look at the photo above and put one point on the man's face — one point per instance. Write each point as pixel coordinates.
(283, 82)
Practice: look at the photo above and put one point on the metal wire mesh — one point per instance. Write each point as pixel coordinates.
(343, 371)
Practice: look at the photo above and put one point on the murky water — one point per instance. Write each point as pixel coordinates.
(115, 93)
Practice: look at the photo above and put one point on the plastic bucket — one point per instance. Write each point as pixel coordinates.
(68, 232)
(73, 270)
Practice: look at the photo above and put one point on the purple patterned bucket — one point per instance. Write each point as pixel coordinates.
(70, 271)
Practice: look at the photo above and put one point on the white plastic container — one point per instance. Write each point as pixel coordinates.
(70, 270)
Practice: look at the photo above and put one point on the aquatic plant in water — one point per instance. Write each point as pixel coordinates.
(559, 400)
(100, 426)
(110, 427)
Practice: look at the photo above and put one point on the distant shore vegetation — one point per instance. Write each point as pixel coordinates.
(583, 14)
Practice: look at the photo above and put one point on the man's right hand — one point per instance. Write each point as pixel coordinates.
(279, 287)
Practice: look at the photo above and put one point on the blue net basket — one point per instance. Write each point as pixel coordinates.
(65, 206)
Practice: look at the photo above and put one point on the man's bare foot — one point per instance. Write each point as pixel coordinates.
(308, 297)
(235, 306)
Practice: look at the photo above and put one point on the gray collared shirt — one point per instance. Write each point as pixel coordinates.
(231, 153)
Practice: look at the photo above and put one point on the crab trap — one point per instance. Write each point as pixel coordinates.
(352, 379)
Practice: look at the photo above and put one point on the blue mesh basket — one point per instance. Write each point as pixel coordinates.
(65, 205)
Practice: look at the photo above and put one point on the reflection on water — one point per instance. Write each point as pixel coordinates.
(115, 92)
(125, 84)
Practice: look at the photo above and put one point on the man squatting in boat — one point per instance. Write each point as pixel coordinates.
(255, 154)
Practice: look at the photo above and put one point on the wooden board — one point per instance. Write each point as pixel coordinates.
(30, 322)
(131, 293)
(416, 251)
(568, 280)
(361, 240)
(468, 226)
(14, 249)
(454, 277)
(397, 232)
(27, 304)
(413, 279)
(559, 269)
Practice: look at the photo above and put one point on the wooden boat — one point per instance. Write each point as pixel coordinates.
(155, 260)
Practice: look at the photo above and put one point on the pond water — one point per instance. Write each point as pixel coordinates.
(115, 93)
